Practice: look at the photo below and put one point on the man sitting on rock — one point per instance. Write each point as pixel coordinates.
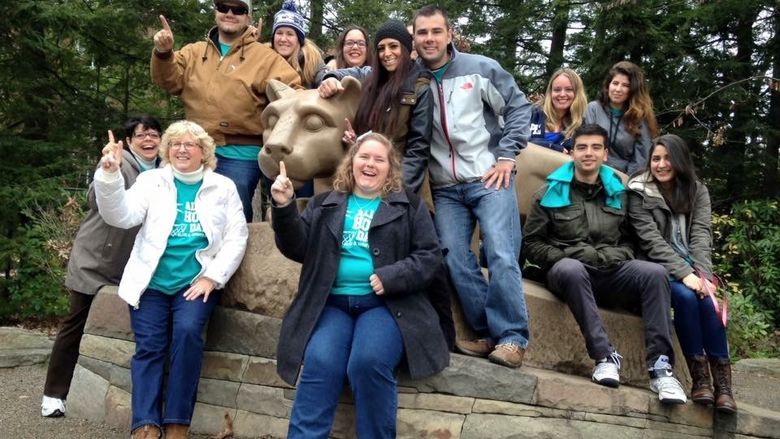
(577, 232)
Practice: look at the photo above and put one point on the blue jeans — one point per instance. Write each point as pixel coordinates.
(245, 174)
(355, 337)
(698, 327)
(167, 328)
(494, 308)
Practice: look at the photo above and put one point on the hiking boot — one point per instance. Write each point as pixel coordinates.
(607, 371)
(721, 376)
(507, 354)
(480, 347)
(176, 431)
(148, 431)
(701, 388)
(52, 407)
(663, 382)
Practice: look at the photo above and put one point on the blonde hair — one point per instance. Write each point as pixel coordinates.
(179, 129)
(576, 112)
(344, 179)
(305, 60)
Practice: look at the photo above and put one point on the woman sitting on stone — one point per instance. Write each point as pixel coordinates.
(625, 110)
(368, 250)
(561, 111)
(192, 238)
(670, 211)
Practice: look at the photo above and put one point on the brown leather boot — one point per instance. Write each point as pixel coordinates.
(721, 375)
(176, 431)
(147, 431)
(701, 389)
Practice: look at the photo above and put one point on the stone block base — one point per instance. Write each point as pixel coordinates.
(470, 399)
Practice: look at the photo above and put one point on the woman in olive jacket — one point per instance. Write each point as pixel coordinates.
(669, 209)
(368, 217)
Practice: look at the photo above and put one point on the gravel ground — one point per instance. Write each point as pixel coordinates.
(20, 411)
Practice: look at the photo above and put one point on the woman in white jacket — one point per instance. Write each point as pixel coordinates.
(192, 238)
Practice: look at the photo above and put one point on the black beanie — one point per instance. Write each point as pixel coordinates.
(396, 30)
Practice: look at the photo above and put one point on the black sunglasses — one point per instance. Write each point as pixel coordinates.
(237, 10)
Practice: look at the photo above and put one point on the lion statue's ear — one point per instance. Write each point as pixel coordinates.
(277, 90)
(351, 94)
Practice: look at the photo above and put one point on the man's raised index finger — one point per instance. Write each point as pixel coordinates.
(164, 23)
(282, 170)
(111, 137)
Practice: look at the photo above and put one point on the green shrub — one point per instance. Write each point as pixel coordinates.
(35, 288)
(747, 251)
(38, 219)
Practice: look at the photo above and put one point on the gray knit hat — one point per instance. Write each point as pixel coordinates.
(289, 16)
(394, 29)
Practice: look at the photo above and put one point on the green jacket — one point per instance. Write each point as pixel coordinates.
(651, 219)
(587, 230)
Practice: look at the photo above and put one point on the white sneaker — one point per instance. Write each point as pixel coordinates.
(52, 407)
(663, 382)
(607, 371)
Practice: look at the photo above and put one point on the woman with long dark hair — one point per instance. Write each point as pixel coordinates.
(669, 208)
(395, 101)
(624, 108)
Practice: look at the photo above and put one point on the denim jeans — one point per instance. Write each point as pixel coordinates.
(245, 174)
(698, 327)
(167, 328)
(496, 307)
(355, 337)
(637, 286)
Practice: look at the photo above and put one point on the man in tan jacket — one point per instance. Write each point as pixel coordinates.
(221, 82)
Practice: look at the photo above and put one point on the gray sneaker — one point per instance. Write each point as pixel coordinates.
(663, 382)
(607, 371)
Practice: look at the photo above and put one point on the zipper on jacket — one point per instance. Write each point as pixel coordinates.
(443, 117)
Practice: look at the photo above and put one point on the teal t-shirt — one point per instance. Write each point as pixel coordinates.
(355, 264)
(224, 48)
(178, 265)
(439, 73)
(239, 152)
(236, 152)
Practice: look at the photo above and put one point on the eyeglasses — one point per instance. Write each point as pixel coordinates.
(355, 43)
(186, 145)
(150, 134)
(237, 10)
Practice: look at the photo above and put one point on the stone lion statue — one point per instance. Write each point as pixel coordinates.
(305, 132)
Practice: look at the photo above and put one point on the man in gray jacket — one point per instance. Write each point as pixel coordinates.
(98, 258)
(480, 123)
(577, 232)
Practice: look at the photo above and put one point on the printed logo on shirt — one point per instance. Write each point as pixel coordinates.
(467, 86)
(358, 235)
(191, 226)
(536, 129)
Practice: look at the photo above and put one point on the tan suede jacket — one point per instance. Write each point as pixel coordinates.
(225, 95)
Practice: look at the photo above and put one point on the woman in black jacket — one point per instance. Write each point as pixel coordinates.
(369, 250)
